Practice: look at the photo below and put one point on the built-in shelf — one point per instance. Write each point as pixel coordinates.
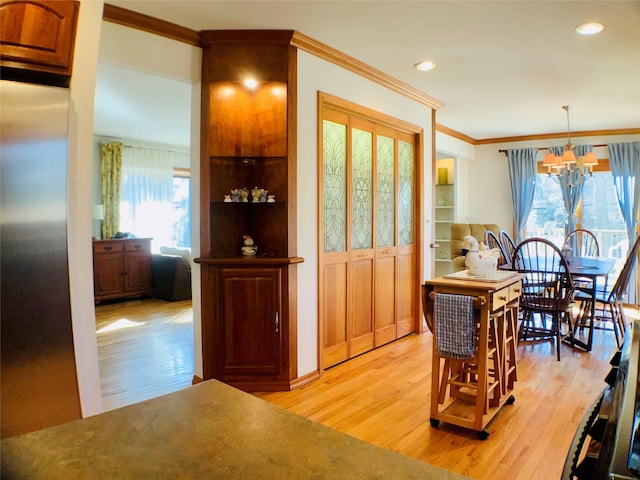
(444, 215)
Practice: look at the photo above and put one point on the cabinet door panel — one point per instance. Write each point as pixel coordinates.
(38, 35)
(406, 291)
(251, 338)
(334, 307)
(385, 300)
(107, 274)
(138, 268)
(361, 324)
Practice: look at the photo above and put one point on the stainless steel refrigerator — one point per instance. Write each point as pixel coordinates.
(39, 386)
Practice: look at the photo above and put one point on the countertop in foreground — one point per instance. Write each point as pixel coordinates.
(209, 430)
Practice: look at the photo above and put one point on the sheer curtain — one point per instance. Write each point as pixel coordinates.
(624, 159)
(146, 208)
(571, 187)
(522, 174)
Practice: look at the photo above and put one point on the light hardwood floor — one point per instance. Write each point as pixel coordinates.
(145, 349)
(381, 397)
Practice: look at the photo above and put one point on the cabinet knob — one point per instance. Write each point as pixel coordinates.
(277, 322)
(108, 247)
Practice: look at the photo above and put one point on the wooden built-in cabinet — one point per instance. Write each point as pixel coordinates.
(38, 37)
(249, 329)
(122, 268)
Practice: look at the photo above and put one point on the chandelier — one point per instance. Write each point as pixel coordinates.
(567, 166)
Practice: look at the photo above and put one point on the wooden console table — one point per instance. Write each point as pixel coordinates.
(469, 393)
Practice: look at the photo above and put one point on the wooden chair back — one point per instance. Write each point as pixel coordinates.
(583, 243)
(547, 285)
(491, 240)
(508, 245)
(619, 288)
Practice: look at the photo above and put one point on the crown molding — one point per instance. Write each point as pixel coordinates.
(455, 134)
(542, 136)
(129, 18)
(343, 60)
(546, 136)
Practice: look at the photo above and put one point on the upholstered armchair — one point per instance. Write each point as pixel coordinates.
(171, 273)
(461, 230)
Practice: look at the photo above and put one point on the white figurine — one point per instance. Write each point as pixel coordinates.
(249, 249)
(479, 264)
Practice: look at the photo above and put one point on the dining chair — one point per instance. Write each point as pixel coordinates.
(508, 245)
(492, 241)
(610, 300)
(547, 292)
(583, 243)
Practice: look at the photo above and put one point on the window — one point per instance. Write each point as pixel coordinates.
(157, 207)
(599, 213)
(548, 215)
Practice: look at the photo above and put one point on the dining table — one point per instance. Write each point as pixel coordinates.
(588, 269)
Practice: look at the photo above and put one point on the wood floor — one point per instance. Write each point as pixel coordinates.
(145, 349)
(381, 397)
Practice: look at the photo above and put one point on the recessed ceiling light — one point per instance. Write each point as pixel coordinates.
(425, 66)
(251, 83)
(589, 28)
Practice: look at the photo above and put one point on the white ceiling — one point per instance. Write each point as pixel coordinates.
(504, 68)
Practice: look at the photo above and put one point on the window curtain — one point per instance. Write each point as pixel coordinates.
(624, 159)
(522, 174)
(571, 186)
(146, 209)
(110, 184)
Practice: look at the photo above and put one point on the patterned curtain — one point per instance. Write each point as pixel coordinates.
(571, 186)
(522, 173)
(111, 184)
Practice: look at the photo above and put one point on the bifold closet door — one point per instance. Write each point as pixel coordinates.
(367, 178)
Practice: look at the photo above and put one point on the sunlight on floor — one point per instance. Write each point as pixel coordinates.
(186, 316)
(119, 325)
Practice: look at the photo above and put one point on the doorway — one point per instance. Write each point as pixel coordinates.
(146, 344)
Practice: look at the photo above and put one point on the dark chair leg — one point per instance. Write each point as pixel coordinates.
(558, 321)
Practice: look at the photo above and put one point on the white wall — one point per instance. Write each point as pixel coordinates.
(316, 75)
(80, 206)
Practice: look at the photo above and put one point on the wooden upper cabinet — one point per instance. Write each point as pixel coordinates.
(247, 80)
(38, 35)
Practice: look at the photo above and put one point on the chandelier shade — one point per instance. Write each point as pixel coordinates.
(567, 161)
